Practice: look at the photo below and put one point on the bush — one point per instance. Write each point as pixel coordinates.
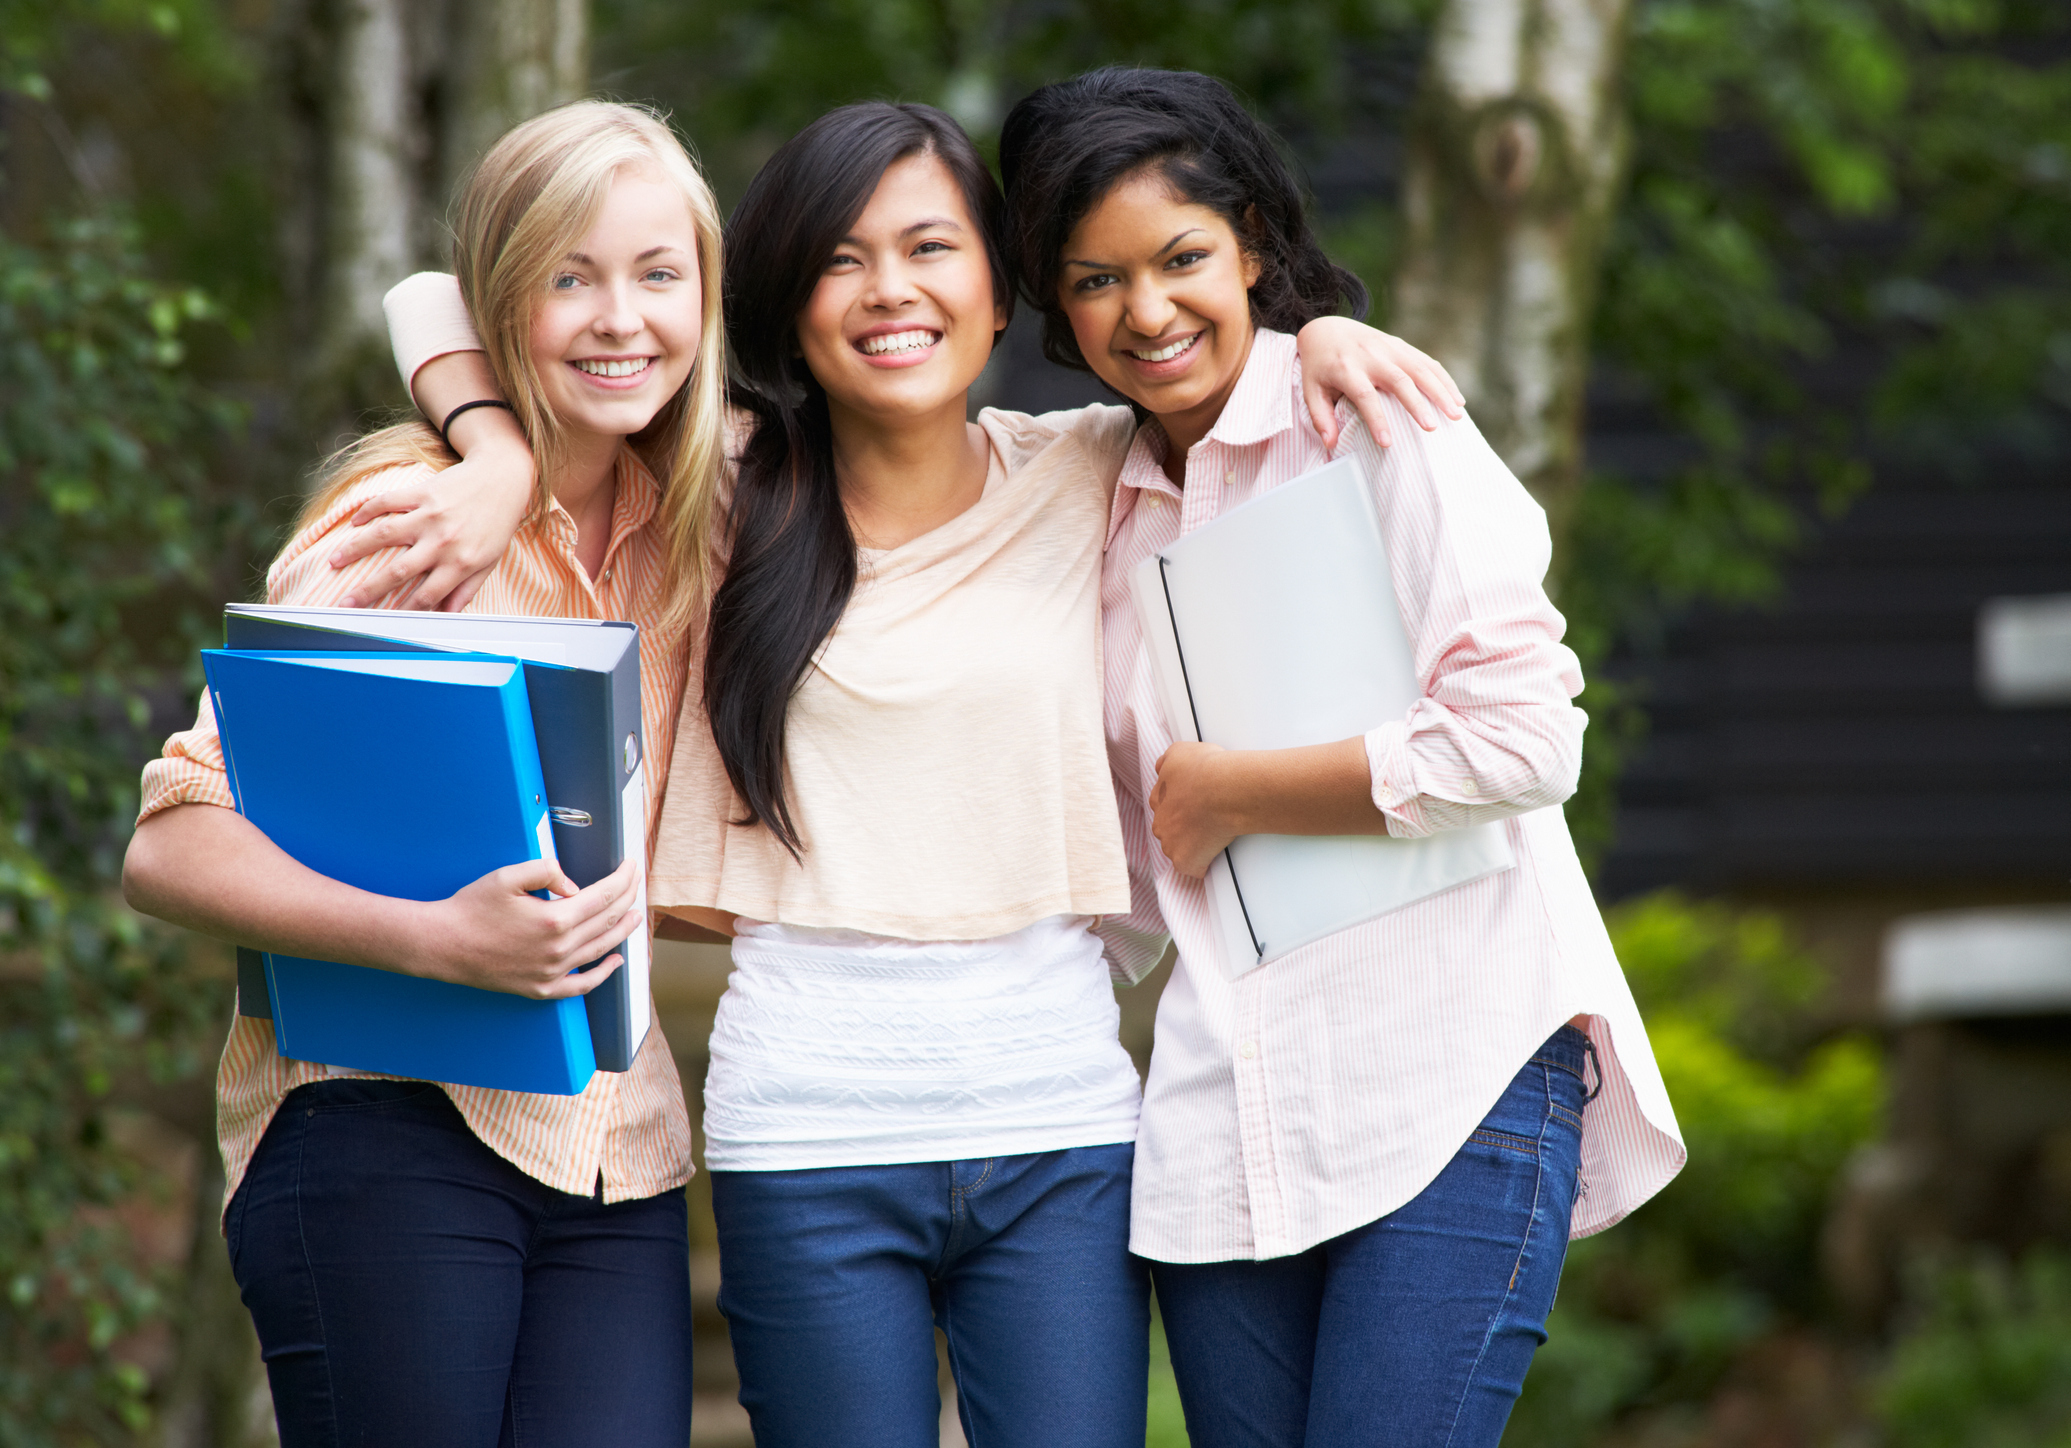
(110, 541)
(1986, 1363)
(1654, 1313)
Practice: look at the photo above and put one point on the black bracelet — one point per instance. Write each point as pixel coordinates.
(446, 427)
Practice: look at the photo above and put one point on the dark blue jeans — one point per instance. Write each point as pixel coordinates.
(833, 1281)
(411, 1287)
(1413, 1331)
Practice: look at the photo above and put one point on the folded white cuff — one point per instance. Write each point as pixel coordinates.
(427, 319)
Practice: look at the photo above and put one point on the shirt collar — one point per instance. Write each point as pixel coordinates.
(1261, 406)
(639, 495)
(636, 499)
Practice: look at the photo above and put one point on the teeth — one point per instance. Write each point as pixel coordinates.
(899, 342)
(598, 367)
(1166, 354)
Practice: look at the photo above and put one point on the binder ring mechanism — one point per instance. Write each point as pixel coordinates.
(565, 815)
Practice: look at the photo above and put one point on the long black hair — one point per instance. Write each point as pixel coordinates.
(793, 556)
(1066, 146)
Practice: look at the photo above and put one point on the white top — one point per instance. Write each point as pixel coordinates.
(1324, 1090)
(835, 1048)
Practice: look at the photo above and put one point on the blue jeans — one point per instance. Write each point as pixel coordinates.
(1413, 1331)
(833, 1281)
(410, 1286)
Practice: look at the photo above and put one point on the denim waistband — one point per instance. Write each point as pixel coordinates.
(1572, 1051)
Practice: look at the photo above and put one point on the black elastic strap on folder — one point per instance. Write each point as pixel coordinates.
(1177, 648)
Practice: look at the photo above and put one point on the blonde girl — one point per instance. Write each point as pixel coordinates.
(451, 1265)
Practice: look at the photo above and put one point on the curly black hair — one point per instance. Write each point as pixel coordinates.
(1069, 144)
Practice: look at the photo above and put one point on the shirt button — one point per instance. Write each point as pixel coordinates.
(1156, 501)
(1247, 1050)
(1229, 477)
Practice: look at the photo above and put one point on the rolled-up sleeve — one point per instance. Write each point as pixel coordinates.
(427, 319)
(189, 770)
(1496, 732)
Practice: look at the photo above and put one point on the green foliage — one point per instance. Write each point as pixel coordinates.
(110, 536)
(1367, 242)
(1653, 1313)
(34, 33)
(1165, 1423)
(742, 77)
(1987, 1362)
(1885, 175)
(1846, 239)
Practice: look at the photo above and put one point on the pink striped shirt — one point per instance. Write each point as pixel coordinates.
(628, 1129)
(1319, 1093)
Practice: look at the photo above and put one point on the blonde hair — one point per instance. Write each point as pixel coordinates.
(524, 207)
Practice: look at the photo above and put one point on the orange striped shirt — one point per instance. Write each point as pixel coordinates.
(630, 1129)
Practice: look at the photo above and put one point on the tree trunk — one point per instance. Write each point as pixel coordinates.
(397, 99)
(375, 195)
(1516, 156)
(510, 60)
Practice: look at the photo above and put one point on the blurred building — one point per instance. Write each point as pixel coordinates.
(1891, 735)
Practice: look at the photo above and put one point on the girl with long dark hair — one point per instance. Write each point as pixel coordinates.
(1358, 1166)
(917, 1112)
(891, 790)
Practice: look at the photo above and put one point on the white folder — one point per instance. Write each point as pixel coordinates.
(1273, 627)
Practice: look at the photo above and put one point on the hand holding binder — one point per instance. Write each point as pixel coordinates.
(498, 934)
(582, 678)
(1273, 627)
(441, 786)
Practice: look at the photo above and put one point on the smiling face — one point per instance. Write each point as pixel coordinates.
(1157, 290)
(617, 333)
(902, 320)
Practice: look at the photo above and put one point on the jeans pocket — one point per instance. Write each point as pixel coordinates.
(233, 1219)
(1521, 1111)
(1505, 1141)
